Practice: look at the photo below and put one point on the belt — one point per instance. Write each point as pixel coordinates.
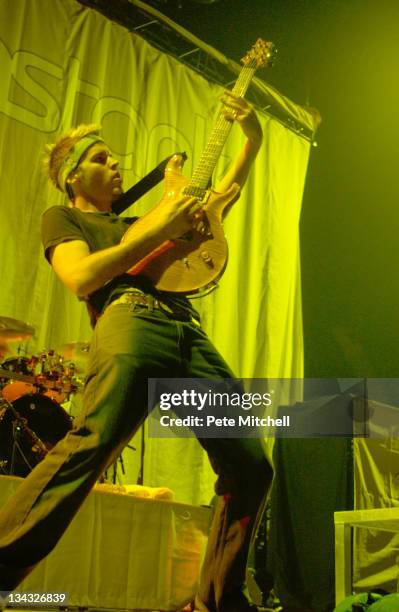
(137, 298)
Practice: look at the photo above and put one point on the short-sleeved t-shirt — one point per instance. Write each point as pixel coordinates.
(101, 230)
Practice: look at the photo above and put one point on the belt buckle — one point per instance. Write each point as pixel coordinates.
(138, 300)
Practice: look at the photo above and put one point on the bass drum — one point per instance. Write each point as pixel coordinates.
(12, 389)
(44, 417)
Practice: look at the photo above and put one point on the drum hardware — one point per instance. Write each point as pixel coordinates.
(21, 432)
(12, 330)
(10, 374)
(29, 427)
(75, 354)
(104, 478)
(51, 378)
(73, 351)
(17, 381)
(55, 380)
(32, 388)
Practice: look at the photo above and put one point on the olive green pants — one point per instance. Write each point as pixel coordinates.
(130, 345)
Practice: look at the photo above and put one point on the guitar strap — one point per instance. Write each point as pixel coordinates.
(145, 184)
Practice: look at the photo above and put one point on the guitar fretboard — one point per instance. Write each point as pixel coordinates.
(202, 175)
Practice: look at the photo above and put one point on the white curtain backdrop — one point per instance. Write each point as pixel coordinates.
(61, 65)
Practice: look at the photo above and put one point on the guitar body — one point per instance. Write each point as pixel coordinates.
(194, 262)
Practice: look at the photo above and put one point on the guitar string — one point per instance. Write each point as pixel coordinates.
(204, 169)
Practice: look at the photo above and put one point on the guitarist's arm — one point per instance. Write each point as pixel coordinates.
(238, 109)
(83, 272)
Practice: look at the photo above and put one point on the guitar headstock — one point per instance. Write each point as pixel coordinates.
(260, 55)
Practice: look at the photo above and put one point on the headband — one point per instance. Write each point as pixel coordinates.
(72, 160)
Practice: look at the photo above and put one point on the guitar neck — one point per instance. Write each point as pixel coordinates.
(202, 175)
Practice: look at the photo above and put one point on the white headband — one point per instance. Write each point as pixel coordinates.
(71, 162)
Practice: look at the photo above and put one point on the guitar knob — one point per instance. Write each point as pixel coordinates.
(207, 258)
(201, 227)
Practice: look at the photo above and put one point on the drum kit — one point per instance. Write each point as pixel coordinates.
(32, 392)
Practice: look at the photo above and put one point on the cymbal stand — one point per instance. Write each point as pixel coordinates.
(114, 466)
(121, 463)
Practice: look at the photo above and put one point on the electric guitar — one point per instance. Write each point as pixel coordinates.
(194, 262)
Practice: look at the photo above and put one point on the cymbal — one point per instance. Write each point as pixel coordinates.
(4, 349)
(74, 351)
(12, 330)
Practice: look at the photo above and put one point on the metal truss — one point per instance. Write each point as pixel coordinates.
(146, 21)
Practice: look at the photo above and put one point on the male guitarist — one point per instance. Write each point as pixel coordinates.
(141, 333)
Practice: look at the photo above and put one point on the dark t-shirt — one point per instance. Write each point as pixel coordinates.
(101, 230)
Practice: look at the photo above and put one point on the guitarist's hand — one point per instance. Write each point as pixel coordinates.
(173, 217)
(238, 109)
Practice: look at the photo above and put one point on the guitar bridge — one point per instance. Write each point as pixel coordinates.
(202, 195)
